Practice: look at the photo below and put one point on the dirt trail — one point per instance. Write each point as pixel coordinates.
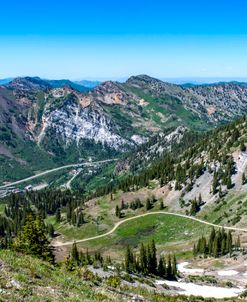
(58, 244)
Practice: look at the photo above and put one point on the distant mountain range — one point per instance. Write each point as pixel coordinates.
(83, 85)
(5, 81)
(46, 123)
(89, 84)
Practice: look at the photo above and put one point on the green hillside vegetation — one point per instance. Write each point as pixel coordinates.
(185, 165)
(172, 110)
(28, 278)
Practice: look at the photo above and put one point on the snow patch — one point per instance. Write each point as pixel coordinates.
(203, 290)
(227, 273)
(182, 268)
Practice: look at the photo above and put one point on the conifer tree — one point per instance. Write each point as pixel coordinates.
(162, 205)
(80, 219)
(58, 215)
(229, 181)
(128, 259)
(118, 212)
(174, 266)
(243, 179)
(242, 146)
(169, 267)
(143, 259)
(75, 253)
(50, 229)
(148, 204)
(200, 199)
(211, 241)
(32, 239)
(162, 267)
(153, 257)
(194, 250)
(229, 243)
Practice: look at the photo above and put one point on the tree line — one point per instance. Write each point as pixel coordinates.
(146, 262)
(44, 203)
(218, 244)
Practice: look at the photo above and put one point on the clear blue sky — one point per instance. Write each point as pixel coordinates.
(113, 39)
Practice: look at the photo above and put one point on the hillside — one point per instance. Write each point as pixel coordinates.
(31, 279)
(202, 176)
(171, 190)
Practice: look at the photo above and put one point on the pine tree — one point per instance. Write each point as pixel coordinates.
(215, 183)
(242, 146)
(143, 259)
(32, 239)
(215, 250)
(194, 207)
(223, 246)
(229, 243)
(229, 181)
(161, 268)
(69, 212)
(194, 250)
(122, 205)
(243, 179)
(153, 257)
(118, 212)
(128, 259)
(174, 266)
(74, 253)
(88, 258)
(148, 204)
(50, 229)
(80, 219)
(220, 191)
(211, 241)
(169, 267)
(58, 215)
(200, 199)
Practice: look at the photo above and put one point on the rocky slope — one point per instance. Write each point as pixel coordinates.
(219, 102)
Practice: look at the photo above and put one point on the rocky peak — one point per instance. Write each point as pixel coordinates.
(141, 80)
(111, 93)
(146, 82)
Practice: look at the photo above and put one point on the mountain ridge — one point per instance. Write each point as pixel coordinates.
(65, 124)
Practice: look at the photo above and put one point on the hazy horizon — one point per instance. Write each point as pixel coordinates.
(174, 80)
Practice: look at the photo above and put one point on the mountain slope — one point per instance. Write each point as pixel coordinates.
(64, 125)
(196, 174)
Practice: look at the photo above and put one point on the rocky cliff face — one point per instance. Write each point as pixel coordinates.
(73, 123)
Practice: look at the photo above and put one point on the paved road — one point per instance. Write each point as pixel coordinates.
(56, 169)
(67, 185)
(58, 244)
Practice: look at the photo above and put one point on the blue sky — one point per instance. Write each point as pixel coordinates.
(114, 39)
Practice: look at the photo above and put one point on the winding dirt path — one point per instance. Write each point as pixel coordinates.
(58, 244)
(56, 169)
